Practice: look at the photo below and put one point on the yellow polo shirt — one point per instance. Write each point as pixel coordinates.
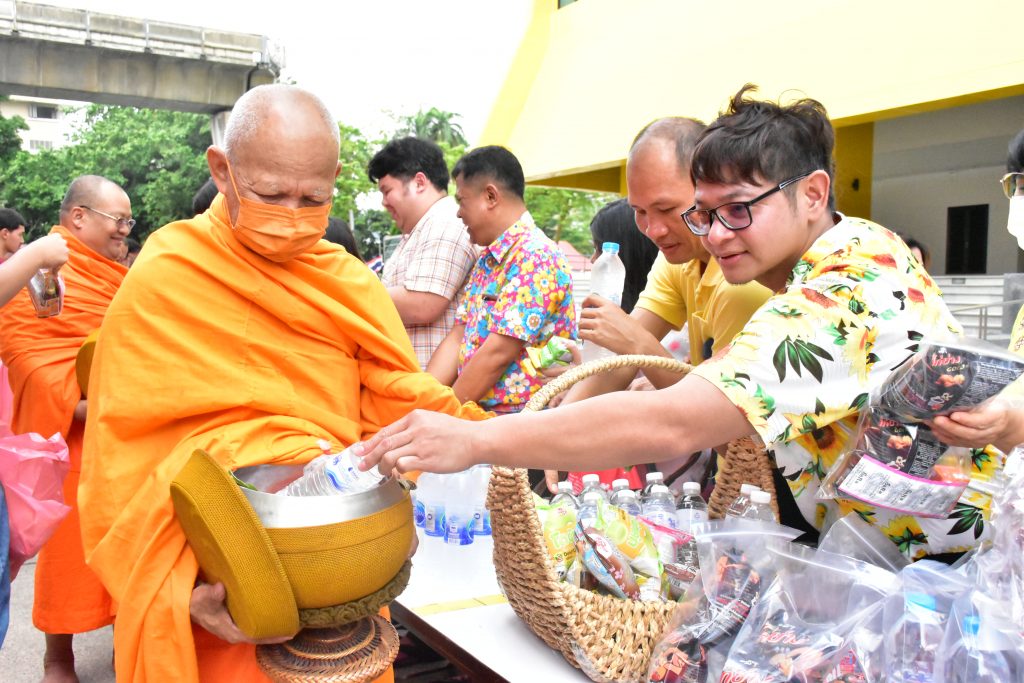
(715, 310)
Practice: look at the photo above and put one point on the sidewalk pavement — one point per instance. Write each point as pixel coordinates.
(21, 657)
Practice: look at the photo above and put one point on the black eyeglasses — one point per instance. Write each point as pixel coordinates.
(733, 215)
(1013, 184)
(121, 222)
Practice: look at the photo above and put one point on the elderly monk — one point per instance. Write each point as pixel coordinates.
(95, 219)
(240, 332)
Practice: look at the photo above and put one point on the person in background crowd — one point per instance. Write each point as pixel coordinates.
(519, 293)
(428, 268)
(338, 232)
(850, 299)
(204, 197)
(615, 222)
(132, 249)
(40, 354)
(12, 232)
(287, 340)
(920, 251)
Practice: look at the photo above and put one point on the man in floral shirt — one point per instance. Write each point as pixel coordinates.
(519, 293)
(850, 304)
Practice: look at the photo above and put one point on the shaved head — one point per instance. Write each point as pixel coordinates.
(681, 132)
(294, 110)
(86, 190)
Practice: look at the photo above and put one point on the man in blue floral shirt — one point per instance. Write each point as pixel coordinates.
(519, 292)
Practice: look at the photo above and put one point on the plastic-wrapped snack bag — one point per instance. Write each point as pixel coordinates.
(634, 540)
(555, 352)
(853, 537)
(980, 645)
(945, 377)
(681, 656)
(558, 526)
(678, 552)
(818, 621)
(899, 466)
(608, 565)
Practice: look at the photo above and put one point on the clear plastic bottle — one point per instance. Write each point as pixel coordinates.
(692, 508)
(332, 474)
(430, 494)
(607, 279)
(458, 510)
(760, 507)
(565, 496)
(587, 514)
(480, 476)
(915, 639)
(592, 482)
(628, 501)
(739, 506)
(652, 479)
(660, 507)
(968, 663)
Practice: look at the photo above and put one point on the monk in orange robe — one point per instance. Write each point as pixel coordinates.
(95, 219)
(240, 332)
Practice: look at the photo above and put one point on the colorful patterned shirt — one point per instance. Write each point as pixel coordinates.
(854, 307)
(436, 257)
(521, 287)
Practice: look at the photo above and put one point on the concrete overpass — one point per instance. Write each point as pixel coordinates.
(72, 54)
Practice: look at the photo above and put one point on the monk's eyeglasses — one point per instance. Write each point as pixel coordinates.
(1013, 183)
(121, 222)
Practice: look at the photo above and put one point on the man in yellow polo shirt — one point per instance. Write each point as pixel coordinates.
(685, 285)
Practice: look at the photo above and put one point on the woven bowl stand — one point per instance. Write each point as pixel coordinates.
(610, 639)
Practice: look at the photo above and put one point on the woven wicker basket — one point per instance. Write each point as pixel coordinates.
(609, 638)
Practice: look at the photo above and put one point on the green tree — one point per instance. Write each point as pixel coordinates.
(433, 124)
(157, 156)
(10, 138)
(565, 214)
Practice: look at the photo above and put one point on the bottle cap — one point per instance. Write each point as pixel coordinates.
(921, 600)
(565, 486)
(628, 494)
(620, 484)
(592, 497)
(610, 247)
(691, 488)
(659, 488)
(591, 478)
(761, 497)
(653, 477)
(971, 625)
(747, 489)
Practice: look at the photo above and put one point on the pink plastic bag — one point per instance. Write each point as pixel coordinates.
(32, 471)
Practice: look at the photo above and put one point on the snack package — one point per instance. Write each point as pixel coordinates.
(608, 565)
(735, 563)
(899, 466)
(678, 552)
(555, 352)
(980, 643)
(559, 537)
(634, 540)
(819, 620)
(945, 377)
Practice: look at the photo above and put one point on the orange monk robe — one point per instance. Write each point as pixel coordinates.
(40, 356)
(208, 345)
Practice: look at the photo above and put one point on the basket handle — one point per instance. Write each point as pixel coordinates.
(594, 367)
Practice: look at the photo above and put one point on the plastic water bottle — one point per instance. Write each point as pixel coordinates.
(660, 507)
(618, 487)
(480, 476)
(692, 508)
(607, 279)
(915, 640)
(458, 510)
(332, 474)
(739, 506)
(760, 508)
(565, 496)
(628, 502)
(587, 514)
(592, 482)
(430, 490)
(968, 663)
(652, 479)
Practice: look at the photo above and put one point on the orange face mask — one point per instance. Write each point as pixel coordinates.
(277, 232)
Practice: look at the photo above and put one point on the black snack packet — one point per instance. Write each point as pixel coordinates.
(942, 378)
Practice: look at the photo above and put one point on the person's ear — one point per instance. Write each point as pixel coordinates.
(421, 181)
(815, 194)
(77, 215)
(217, 160)
(337, 171)
(492, 195)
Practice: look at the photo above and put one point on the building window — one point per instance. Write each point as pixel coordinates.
(36, 145)
(966, 239)
(42, 111)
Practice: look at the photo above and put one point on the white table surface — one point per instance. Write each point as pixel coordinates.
(455, 592)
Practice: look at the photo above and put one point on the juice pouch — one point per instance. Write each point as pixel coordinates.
(559, 538)
(554, 352)
(631, 537)
(602, 559)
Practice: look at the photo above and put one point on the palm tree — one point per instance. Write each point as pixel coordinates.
(434, 124)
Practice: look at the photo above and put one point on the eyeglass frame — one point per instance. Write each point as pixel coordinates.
(130, 222)
(713, 213)
(1005, 182)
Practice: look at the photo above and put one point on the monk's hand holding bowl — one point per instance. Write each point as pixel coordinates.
(422, 441)
(208, 609)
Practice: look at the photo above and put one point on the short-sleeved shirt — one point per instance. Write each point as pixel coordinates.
(521, 287)
(715, 310)
(853, 310)
(436, 257)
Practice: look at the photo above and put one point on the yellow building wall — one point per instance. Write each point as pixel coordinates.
(854, 152)
(591, 74)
